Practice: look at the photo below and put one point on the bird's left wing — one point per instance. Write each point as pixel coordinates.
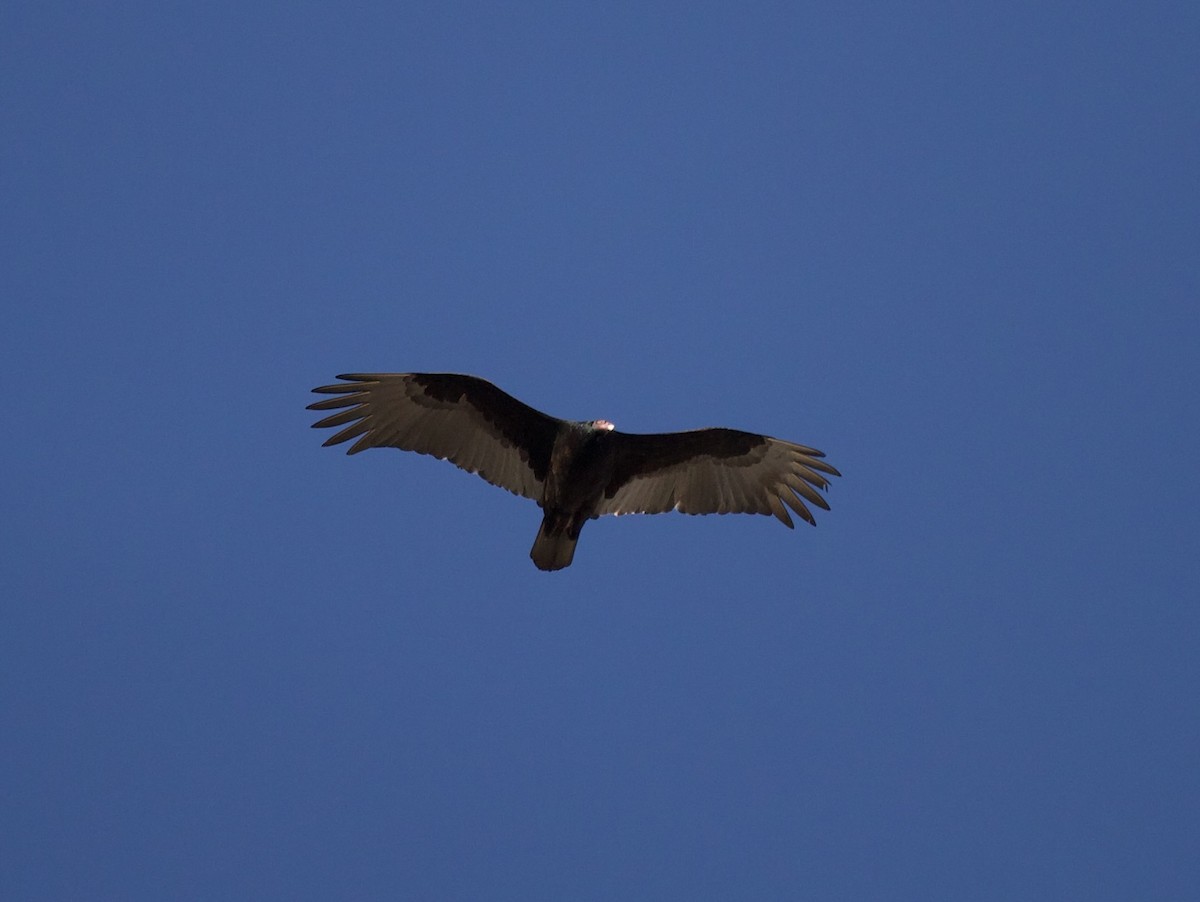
(714, 471)
(462, 419)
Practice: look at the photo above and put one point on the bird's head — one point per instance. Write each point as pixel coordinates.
(602, 425)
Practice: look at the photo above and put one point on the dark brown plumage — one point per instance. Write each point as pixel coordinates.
(574, 470)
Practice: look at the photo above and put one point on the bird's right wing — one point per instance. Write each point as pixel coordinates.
(714, 471)
(462, 419)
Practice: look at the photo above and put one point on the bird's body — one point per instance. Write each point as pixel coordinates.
(574, 470)
(580, 468)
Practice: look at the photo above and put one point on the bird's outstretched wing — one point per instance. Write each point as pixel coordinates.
(462, 419)
(714, 471)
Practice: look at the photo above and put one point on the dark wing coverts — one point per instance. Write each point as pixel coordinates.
(462, 419)
(714, 471)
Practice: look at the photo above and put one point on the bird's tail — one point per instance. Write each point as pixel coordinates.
(554, 546)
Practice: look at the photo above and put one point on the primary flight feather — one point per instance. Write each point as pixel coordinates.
(574, 470)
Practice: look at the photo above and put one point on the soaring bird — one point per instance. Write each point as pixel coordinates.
(575, 470)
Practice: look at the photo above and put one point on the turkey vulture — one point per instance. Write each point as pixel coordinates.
(574, 470)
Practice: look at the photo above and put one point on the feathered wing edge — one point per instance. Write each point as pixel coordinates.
(715, 471)
(462, 419)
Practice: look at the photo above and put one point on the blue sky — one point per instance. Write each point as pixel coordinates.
(953, 245)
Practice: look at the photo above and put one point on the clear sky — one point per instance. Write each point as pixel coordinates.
(953, 245)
